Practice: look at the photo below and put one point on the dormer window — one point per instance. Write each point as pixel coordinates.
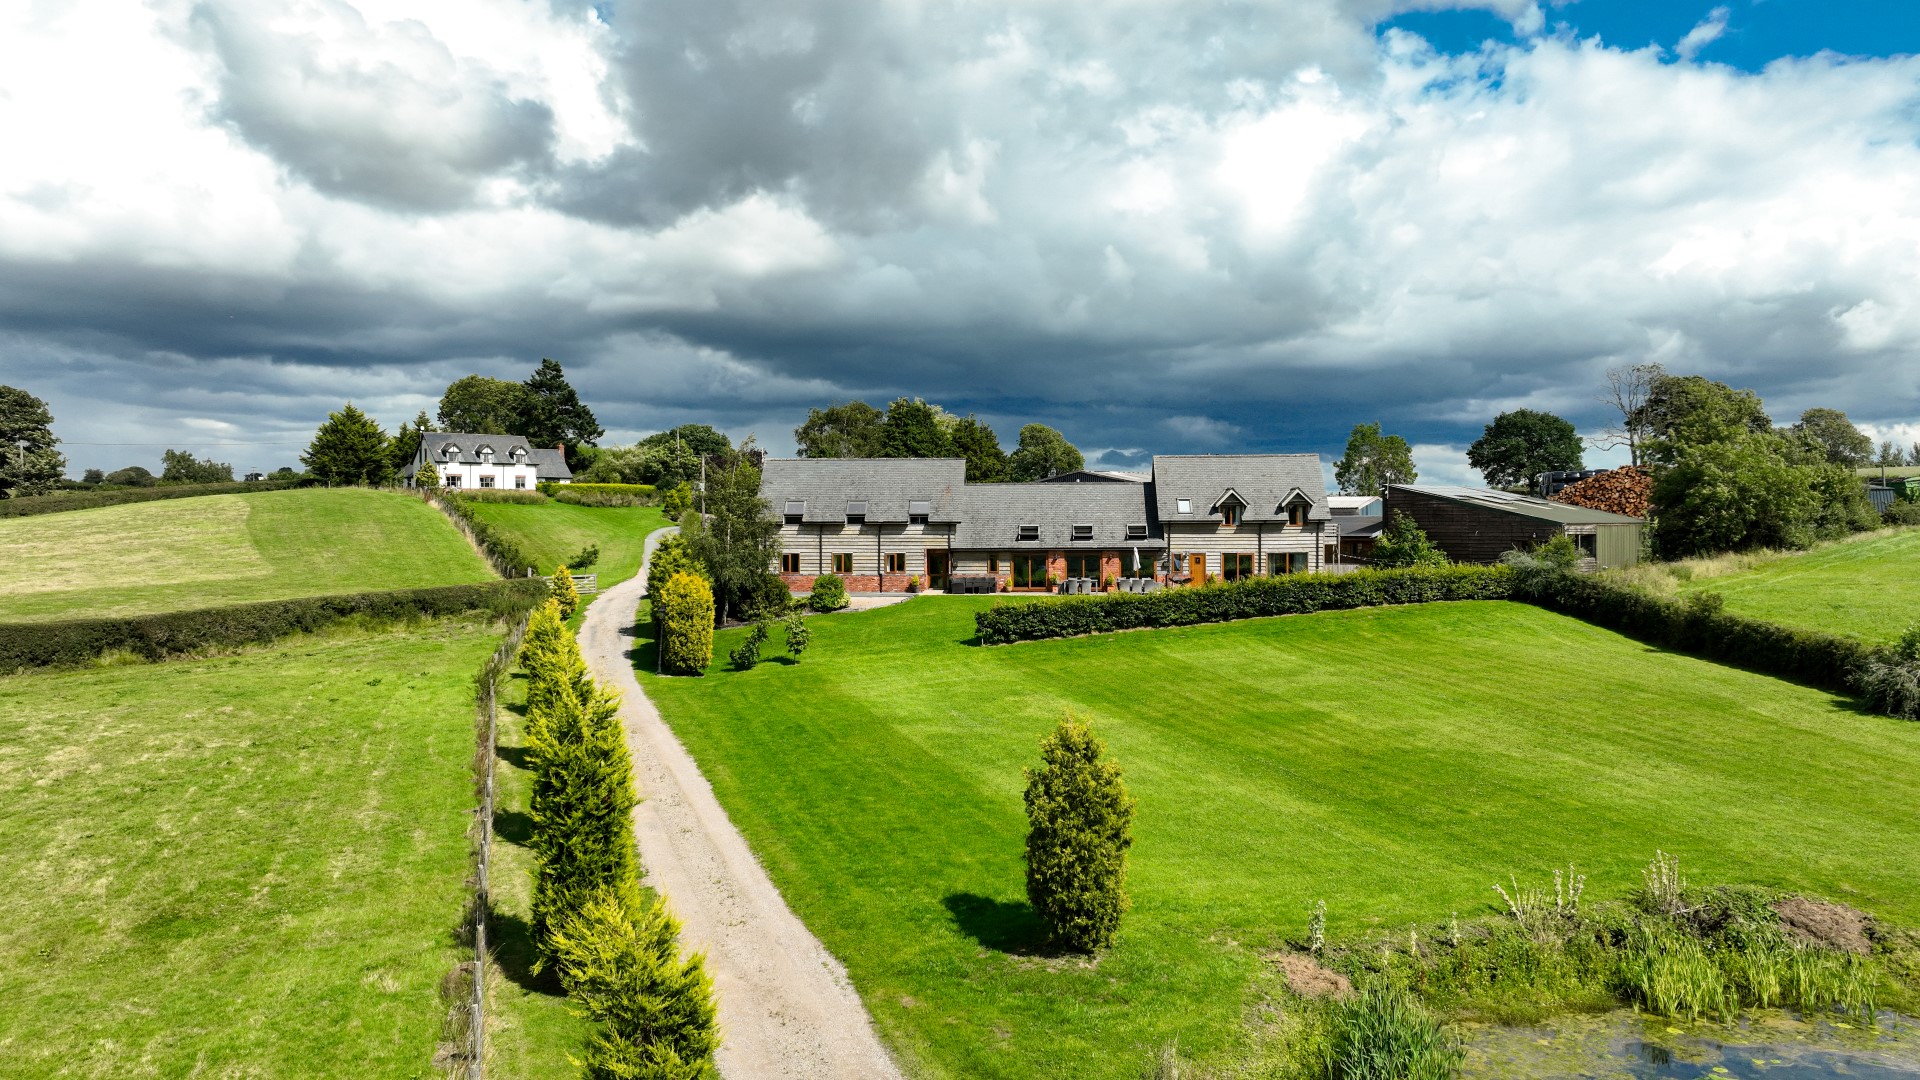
(486, 455)
(1136, 532)
(856, 513)
(1029, 532)
(796, 511)
(1297, 514)
(449, 452)
(918, 510)
(1230, 515)
(519, 452)
(1183, 506)
(1082, 533)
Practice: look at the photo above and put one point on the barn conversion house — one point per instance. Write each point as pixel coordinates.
(879, 521)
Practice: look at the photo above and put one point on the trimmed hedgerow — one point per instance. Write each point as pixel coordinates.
(156, 637)
(508, 558)
(495, 495)
(599, 499)
(1251, 598)
(1700, 626)
(638, 491)
(88, 500)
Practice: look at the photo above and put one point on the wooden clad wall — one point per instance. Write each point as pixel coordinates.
(1470, 533)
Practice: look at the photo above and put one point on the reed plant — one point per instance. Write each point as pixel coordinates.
(1670, 973)
(1384, 1033)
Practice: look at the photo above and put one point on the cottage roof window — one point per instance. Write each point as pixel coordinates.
(918, 510)
(1029, 532)
(1082, 533)
(1136, 532)
(1183, 506)
(796, 509)
(857, 513)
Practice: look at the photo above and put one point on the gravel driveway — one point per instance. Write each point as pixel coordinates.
(786, 1007)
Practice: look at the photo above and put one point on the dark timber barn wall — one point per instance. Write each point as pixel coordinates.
(1470, 533)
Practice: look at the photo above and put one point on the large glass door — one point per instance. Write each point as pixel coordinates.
(937, 570)
(1083, 564)
(1029, 572)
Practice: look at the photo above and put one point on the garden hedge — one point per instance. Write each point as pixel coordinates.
(88, 500)
(157, 637)
(509, 559)
(641, 491)
(1700, 627)
(1250, 598)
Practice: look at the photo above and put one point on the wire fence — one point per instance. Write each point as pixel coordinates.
(467, 1012)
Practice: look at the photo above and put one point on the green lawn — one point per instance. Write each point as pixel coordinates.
(1394, 762)
(226, 549)
(1868, 586)
(246, 866)
(553, 531)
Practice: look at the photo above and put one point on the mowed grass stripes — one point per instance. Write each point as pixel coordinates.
(1394, 762)
(206, 552)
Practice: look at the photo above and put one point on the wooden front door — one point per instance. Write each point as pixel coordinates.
(939, 565)
(1197, 568)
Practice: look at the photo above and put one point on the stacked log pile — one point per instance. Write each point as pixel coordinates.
(1627, 490)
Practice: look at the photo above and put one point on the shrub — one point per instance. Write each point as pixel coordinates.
(632, 491)
(1249, 598)
(587, 557)
(572, 497)
(1902, 512)
(1402, 543)
(829, 593)
(653, 1012)
(496, 495)
(1080, 822)
(748, 654)
(799, 634)
(670, 558)
(426, 476)
(551, 657)
(677, 501)
(29, 505)
(1891, 685)
(1382, 1033)
(564, 594)
(686, 624)
(182, 633)
(766, 598)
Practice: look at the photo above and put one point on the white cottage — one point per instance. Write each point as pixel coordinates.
(488, 462)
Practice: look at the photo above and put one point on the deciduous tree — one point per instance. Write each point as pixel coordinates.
(1404, 543)
(1837, 440)
(1043, 452)
(975, 441)
(479, 405)
(851, 429)
(915, 429)
(741, 538)
(1373, 461)
(180, 467)
(1520, 445)
(29, 464)
(1627, 390)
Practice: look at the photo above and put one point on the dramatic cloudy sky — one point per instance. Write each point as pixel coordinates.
(1159, 225)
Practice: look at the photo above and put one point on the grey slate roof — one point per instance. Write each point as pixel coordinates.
(887, 485)
(993, 513)
(1523, 505)
(1263, 481)
(549, 464)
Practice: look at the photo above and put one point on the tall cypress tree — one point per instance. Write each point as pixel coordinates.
(581, 806)
(349, 449)
(554, 413)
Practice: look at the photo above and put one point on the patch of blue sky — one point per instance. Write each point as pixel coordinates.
(1757, 32)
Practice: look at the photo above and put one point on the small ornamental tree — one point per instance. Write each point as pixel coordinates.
(670, 558)
(427, 477)
(799, 634)
(653, 1012)
(686, 624)
(1404, 543)
(1080, 822)
(747, 656)
(564, 594)
(677, 501)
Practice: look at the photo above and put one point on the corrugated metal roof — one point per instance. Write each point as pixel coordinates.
(1523, 505)
(1263, 481)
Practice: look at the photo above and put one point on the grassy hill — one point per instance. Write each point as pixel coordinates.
(1865, 586)
(247, 866)
(226, 549)
(1395, 762)
(553, 531)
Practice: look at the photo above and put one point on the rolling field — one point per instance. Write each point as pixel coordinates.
(246, 866)
(1867, 586)
(555, 530)
(226, 549)
(1395, 762)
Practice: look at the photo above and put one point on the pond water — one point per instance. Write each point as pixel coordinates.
(1625, 1046)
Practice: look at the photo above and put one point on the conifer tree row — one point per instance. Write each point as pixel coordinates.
(616, 954)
